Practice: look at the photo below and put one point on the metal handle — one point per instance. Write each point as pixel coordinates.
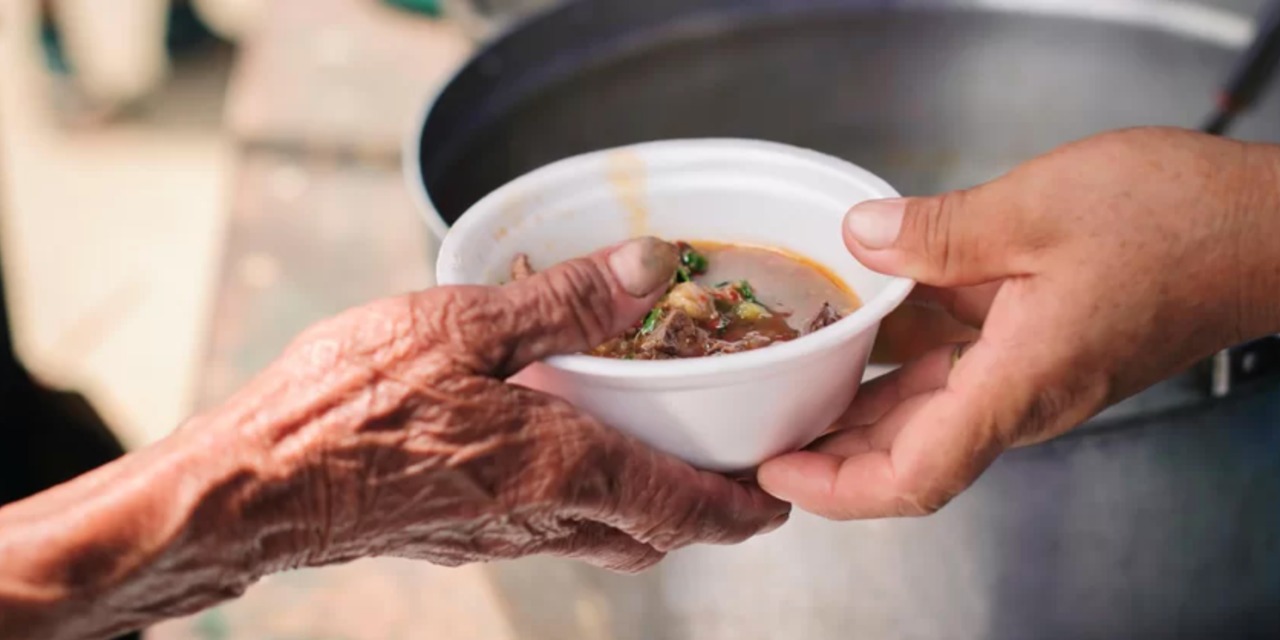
(1252, 73)
(1231, 368)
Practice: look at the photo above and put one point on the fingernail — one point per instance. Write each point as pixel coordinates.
(644, 265)
(875, 224)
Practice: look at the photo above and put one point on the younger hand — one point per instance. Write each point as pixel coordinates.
(1092, 272)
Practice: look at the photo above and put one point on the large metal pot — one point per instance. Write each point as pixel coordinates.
(1160, 519)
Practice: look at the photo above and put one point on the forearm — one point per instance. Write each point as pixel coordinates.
(163, 532)
(271, 480)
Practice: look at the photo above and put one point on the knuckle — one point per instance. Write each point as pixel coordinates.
(594, 482)
(453, 314)
(1058, 404)
(686, 529)
(934, 222)
(640, 565)
(1043, 411)
(670, 523)
(399, 334)
(463, 321)
(583, 461)
(924, 497)
(579, 296)
(630, 559)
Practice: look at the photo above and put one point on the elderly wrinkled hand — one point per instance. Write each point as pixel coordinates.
(1091, 273)
(413, 389)
(388, 430)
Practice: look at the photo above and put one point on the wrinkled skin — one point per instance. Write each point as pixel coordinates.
(1091, 273)
(387, 431)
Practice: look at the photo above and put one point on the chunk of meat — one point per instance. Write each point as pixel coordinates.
(752, 340)
(520, 267)
(826, 317)
(675, 336)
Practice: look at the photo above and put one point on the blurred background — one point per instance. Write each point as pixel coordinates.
(186, 184)
(134, 131)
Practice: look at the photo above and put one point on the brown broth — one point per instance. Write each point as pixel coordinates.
(792, 285)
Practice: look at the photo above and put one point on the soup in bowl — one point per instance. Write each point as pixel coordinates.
(762, 340)
(727, 299)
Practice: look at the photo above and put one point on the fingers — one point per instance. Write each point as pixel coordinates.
(932, 317)
(955, 239)
(915, 329)
(969, 305)
(667, 504)
(581, 303)
(921, 452)
(605, 547)
(608, 477)
(879, 396)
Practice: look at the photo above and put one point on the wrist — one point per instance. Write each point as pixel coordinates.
(1257, 252)
(244, 511)
(151, 535)
(278, 501)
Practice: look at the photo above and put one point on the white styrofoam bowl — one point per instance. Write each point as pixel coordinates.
(725, 413)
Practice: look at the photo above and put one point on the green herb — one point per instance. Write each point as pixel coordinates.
(723, 284)
(683, 274)
(651, 321)
(745, 290)
(696, 262)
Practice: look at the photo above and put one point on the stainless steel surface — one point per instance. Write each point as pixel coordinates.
(1220, 382)
(1159, 520)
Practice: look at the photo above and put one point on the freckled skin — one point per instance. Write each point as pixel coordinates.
(1088, 274)
(386, 431)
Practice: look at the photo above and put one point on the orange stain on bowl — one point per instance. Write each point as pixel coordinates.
(627, 175)
(512, 215)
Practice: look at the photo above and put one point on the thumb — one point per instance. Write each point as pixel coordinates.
(954, 239)
(581, 303)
